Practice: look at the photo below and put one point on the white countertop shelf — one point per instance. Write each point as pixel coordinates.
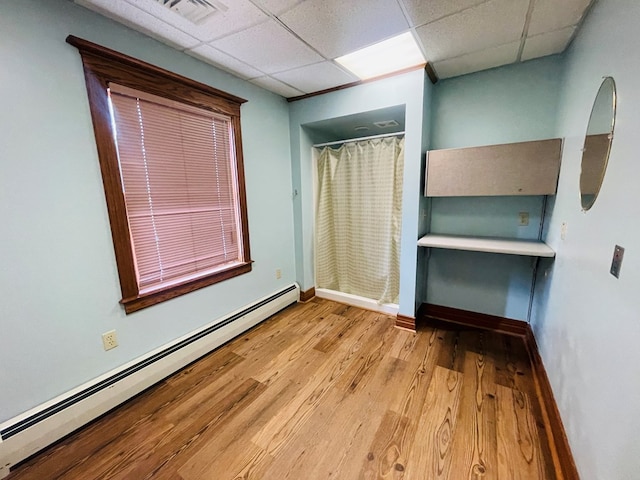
(510, 246)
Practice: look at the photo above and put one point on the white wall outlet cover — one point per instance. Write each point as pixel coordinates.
(109, 340)
(523, 219)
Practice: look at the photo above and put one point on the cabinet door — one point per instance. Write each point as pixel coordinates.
(526, 168)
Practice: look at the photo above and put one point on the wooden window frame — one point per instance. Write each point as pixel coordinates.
(102, 66)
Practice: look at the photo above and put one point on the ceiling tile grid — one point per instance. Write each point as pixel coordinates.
(487, 25)
(421, 12)
(268, 47)
(316, 77)
(277, 7)
(142, 21)
(547, 43)
(337, 27)
(477, 61)
(550, 15)
(239, 15)
(208, 54)
(276, 86)
(288, 46)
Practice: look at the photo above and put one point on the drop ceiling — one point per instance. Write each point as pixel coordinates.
(289, 46)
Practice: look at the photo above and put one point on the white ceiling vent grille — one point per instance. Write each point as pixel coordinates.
(196, 11)
(386, 124)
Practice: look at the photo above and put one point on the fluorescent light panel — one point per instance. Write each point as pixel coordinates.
(389, 56)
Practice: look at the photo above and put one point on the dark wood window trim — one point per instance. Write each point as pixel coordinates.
(102, 66)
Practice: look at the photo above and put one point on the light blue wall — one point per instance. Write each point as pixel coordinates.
(508, 104)
(408, 90)
(422, 272)
(58, 278)
(587, 322)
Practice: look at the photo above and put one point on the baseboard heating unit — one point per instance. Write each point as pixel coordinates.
(26, 434)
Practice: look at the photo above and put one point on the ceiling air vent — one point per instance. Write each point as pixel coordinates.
(386, 124)
(196, 11)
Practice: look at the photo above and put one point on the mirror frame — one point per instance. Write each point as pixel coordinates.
(608, 83)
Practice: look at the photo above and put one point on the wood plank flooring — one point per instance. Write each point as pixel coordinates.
(325, 391)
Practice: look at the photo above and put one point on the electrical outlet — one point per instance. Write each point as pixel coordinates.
(523, 219)
(563, 231)
(109, 340)
(278, 273)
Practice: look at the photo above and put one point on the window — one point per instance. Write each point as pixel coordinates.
(171, 160)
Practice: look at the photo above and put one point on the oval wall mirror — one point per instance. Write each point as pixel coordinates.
(597, 143)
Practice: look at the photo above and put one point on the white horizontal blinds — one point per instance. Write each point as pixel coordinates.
(177, 167)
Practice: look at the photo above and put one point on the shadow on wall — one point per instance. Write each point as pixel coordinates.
(468, 279)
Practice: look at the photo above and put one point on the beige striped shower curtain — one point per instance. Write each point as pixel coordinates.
(358, 218)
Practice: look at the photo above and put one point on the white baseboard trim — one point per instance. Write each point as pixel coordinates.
(30, 432)
(357, 301)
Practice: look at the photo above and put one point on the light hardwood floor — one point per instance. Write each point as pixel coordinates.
(325, 391)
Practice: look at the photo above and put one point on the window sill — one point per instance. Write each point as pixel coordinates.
(133, 304)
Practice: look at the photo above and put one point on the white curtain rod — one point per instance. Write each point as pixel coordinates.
(394, 134)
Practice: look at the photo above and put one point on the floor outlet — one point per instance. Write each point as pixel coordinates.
(109, 340)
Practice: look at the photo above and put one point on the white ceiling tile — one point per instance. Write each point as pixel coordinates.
(421, 11)
(547, 43)
(477, 61)
(551, 15)
(220, 59)
(268, 47)
(244, 38)
(277, 6)
(240, 14)
(338, 27)
(316, 77)
(488, 25)
(276, 86)
(141, 21)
